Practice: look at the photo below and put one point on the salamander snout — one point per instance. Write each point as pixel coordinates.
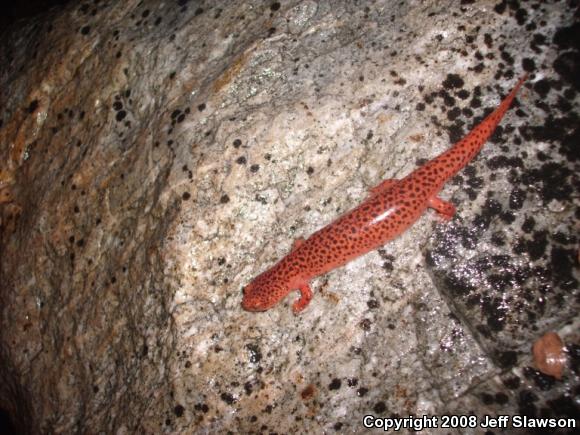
(263, 293)
(251, 300)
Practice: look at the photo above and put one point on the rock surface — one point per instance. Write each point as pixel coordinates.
(155, 156)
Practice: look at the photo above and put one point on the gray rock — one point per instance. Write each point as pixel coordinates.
(155, 156)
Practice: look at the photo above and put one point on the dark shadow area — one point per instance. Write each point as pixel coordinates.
(6, 426)
(13, 11)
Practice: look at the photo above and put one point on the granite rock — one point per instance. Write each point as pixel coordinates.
(155, 156)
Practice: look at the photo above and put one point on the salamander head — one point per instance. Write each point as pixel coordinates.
(264, 292)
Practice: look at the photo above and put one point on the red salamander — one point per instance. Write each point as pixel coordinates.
(391, 208)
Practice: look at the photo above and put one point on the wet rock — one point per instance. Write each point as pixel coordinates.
(155, 156)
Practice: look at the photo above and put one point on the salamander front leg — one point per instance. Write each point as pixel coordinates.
(445, 209)
(305, 298)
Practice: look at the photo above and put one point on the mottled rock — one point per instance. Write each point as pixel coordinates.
(155, 156)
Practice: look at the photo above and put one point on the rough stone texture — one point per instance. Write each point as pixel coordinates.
(155, 156)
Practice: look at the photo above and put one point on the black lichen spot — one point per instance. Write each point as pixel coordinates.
(448, 100)
(512, 383)
(458, 287)
(486, 398)
(553, 181)
(564, 238)
(255, 167)
(201, 107)
(201, 407)
(495, 312)
(538, 40)
(241, 160)
(568, 37)
(198, 11)
(455, 132)
(237, 143)
(335, 384)
(528, 224)
(463, 94)
(563, 264)
(275, 6)
(365, 324)
(528, 64)
(488, 40)
(574, 356)
(117, 105)
(224, 199)
(175, 113)
(248, 388)
(178, 410)
(373, 304)
(521, 16)
(362, 391)
(453, 81)
(255, 353)
(310, 170)
(517, 198)
(537, 246)
(228, 398)
(564, 406)
(32, 106)
(379, 407)
(526, 405)
(507, 359)
(498, 239)
(542, 87)
(507, 58)
(502, 161)
(120, 115)
(454, 113)
(85, 30)
(501, 398)
(185, 196)
(507, 217)
(567, 65)
(541, 380)
(490, 209)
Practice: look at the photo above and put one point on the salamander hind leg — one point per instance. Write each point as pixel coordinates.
(383, 186)
(445, 209)
(305, 298)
